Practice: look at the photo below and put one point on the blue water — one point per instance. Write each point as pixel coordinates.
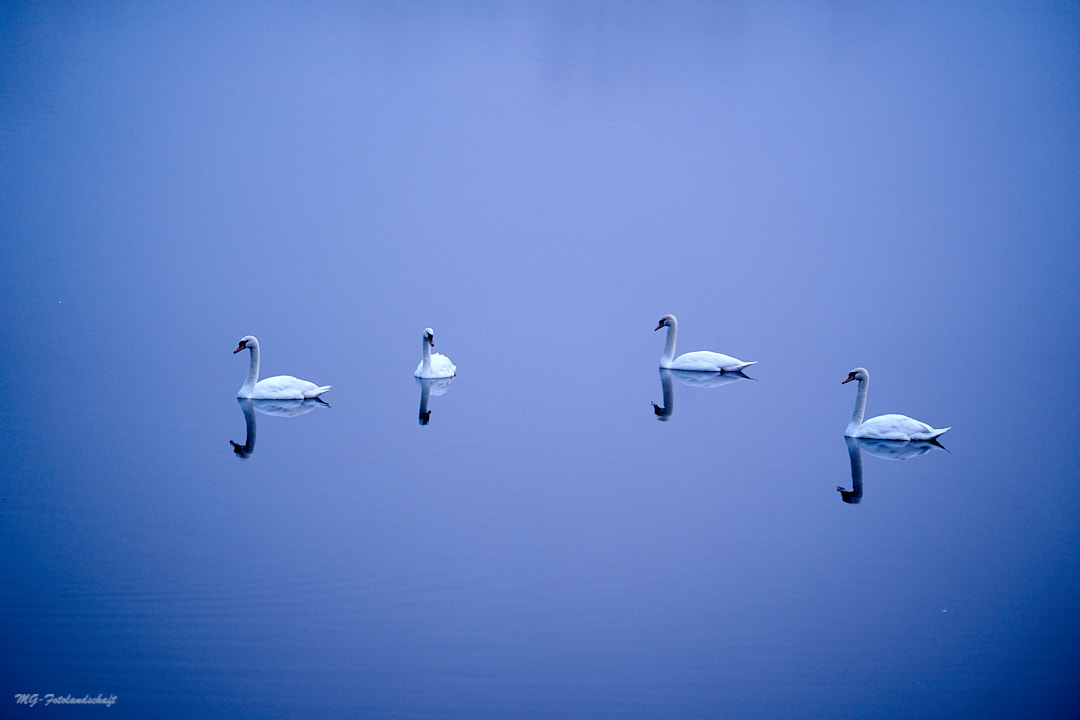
(814, 187)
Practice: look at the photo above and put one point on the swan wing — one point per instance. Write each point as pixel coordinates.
(286, 387)
(896, 427)
(706, 361)
(441, 367)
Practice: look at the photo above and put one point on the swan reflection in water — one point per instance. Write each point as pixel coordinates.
(429, 387)
(887, 449)
(695, 379)
(281, 408)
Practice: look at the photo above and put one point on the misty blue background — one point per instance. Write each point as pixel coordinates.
(815, 186)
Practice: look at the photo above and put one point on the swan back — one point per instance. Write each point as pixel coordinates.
(286, 387)
(895, 427)
(706, 361)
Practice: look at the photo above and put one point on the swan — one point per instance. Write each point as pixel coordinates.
(280, 387)
(883, 427)
(700, 361)
(433, 365)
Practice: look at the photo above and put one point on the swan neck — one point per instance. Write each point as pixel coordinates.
(669, 346)
(860, 404)
(253, 370)
(426, 349)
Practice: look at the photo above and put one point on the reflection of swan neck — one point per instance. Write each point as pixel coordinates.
(249, 421)
(669, 344)
(860, 404)
(425, 393)
(426, 348)
(664, 413)
(253, 369)
(854, 495)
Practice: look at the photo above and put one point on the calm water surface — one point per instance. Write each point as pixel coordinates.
(572, 533)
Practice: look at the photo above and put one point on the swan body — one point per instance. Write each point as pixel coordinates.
(883, 427)
(279, 387)
(700, 361)
(433, 365)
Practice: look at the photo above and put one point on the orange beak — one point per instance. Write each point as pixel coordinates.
(238, 349)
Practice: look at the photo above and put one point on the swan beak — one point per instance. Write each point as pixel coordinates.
(431, 341)
(850, 378)
(238, 349)
(658, 327)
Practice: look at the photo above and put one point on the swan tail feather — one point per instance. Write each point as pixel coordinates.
(319, 391)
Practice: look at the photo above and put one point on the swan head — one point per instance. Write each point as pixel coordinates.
(666, 321)
(859, 374)
(248, 341)
(429, 335)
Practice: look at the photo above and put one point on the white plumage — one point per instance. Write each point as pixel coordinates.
(279, 387)
(433, 365)
(883, 427)
(700, 361)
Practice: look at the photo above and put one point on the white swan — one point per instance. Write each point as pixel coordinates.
(281, 387)
(883, 427)
(700, 361)
(433, 365)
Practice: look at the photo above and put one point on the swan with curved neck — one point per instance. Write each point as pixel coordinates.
(433, 365)
(700, 361)
(883, 427)
(280, 387)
